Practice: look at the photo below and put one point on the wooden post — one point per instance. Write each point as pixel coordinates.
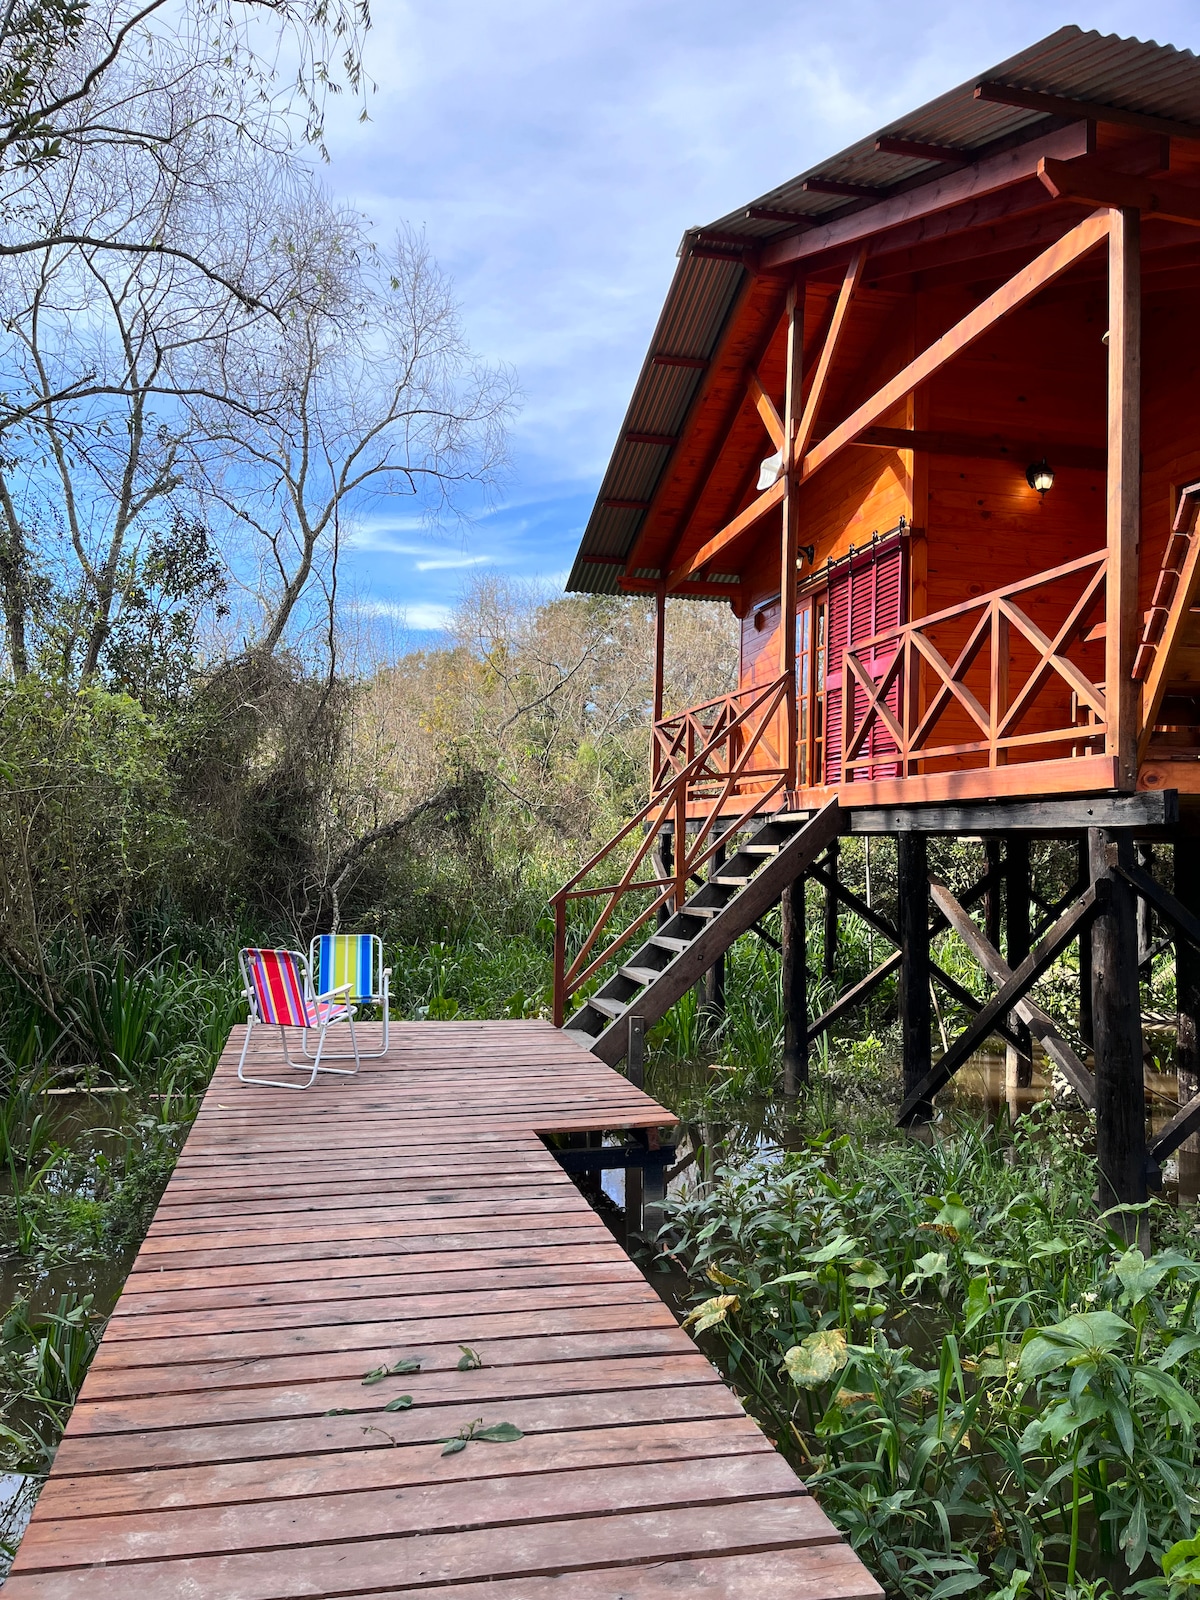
(1144, 856)
(660, 650)
(795, 987)
(1187, 985)
(1086, 1031)
(635, 1055)
(912, 878)
(1123, 511)
(993, 900)
(714, 978)
(1018, 1063)
(1117, 1020)
(560, 962)
(829, 954)
(789, 542)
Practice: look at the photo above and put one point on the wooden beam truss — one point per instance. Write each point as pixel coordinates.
(1068, 928)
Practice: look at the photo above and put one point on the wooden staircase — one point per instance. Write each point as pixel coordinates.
(678, 954)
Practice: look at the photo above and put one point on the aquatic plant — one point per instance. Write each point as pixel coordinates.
(977, 1376)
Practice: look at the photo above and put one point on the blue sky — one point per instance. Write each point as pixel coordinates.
(554, 154)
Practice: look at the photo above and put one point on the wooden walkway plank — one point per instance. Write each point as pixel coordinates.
(225, 1446)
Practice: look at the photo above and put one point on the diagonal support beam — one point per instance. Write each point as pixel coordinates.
(771, 420)
(846, 1002)
(829, 349)
(854, 996)
(998, 970)
(1051, 264)
(754, 512)
(1163, 901)
(1066, 929)
(1182, 1125)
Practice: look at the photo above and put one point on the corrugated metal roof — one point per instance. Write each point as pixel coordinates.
(1126, 74)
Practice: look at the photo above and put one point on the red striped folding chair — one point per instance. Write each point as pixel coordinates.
(278, 989)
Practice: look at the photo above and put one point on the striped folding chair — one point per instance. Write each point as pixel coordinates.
(278, 988)
(338, 960)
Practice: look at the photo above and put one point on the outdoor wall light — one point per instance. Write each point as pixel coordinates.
(1040, 475)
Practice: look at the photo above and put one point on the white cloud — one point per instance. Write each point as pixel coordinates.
(450, 563)
(423, 616)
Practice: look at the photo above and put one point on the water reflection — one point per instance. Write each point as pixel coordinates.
(18, 1496)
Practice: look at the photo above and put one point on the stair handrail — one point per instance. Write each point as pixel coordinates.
(668, 798)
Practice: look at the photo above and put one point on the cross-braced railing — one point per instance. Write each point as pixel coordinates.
(709, 755)
(721, 730)
(1014, 675)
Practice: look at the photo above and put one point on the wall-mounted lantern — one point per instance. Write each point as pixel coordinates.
(769, 470)
(1039, 475)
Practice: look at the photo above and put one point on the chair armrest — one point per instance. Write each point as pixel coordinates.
(331, 994)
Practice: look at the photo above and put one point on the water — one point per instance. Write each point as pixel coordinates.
(18, 1496)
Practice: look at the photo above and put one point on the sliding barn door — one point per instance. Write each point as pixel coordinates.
(867, 596)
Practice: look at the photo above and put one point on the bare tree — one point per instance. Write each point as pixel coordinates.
(365, 389)
(96, 342)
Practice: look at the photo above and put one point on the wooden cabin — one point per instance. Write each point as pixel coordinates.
(925, 417)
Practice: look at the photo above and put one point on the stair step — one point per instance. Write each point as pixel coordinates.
(738, 883)
(610, 1008)
(760, 849)
(703, 911)
(593, 1025)
(664, 942)
(640, 974)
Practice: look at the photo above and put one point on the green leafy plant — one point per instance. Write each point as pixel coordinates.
(492, 1433)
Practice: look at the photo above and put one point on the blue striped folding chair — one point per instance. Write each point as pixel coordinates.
(356, 960)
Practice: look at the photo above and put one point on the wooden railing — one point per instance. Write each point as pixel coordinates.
(721, 731)
(708, 754)
(1014, 675)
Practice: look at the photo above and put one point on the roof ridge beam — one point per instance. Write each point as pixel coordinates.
(939, 194)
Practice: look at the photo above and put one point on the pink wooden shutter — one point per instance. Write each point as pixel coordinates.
(866, 597)
(837, 633)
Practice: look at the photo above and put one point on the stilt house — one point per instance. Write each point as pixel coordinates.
(926, 418)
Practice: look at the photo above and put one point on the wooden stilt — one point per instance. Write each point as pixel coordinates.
(1117, 1022)
(795, 987)
(829, 954)
(714, 978)
(993, 901)
(1086, 1032)
(1144, 856)
(1187, 983)
(915, 1011)
(635, 1055)
(1018, 1060)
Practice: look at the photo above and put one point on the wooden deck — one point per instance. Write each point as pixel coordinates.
(225, 1446)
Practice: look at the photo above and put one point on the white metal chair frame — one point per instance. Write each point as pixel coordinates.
(311, 1064)
(382, 999)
